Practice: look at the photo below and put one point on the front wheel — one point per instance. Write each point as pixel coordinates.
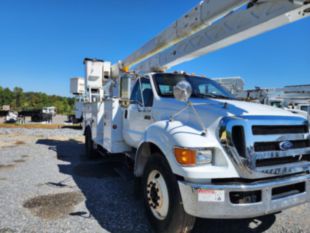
(162, 198)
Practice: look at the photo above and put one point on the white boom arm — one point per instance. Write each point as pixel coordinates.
(213, 25)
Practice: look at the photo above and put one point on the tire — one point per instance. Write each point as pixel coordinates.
(89, 144)
(159, 185)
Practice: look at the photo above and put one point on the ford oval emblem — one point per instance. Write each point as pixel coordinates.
(286, 145)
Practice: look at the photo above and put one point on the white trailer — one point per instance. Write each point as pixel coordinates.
(197, 151)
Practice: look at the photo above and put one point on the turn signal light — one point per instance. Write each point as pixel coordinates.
(185, 157)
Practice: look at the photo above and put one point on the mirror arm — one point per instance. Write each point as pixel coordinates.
(191, 105)
(178, 113)
(202, 125)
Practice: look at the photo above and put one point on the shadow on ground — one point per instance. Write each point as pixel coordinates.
(108, 187)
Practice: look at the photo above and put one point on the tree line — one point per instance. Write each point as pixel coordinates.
(20, 100)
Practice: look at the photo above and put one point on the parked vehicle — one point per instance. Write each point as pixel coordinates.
(50, 110)
(37, 115)
(11, 117)
(198, 151)
(77, 88)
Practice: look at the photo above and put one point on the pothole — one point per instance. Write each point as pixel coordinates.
(53, 206)
(96, 170)
(25, 156)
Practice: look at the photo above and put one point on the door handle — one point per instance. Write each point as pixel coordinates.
(147, 117)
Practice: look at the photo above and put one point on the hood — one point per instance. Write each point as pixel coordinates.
(242, 108)
(212, 110)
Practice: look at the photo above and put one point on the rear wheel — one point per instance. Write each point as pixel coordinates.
(89, 144)
(162, 198)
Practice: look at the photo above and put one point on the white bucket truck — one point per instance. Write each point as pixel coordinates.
(198, 151)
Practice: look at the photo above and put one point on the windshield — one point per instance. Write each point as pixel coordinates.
(202, 87)
(305, 108)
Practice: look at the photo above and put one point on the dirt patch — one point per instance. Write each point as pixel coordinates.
(3, 178)
(19, 161)
(20, 143)
(96, 170)
(54, 206)
(6, 167)
(13, 140)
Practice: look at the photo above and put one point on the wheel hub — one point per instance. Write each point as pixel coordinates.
(154, 195)
(157, 195)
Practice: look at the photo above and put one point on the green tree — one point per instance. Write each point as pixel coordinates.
(19, 97)
(20, 100)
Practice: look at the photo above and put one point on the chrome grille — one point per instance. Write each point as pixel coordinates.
(282, 160)
(259, 153)
(279, 129)
(275, 146)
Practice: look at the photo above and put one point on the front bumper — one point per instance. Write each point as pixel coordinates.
(224, 208)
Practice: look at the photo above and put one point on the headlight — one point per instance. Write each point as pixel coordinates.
(193, 157)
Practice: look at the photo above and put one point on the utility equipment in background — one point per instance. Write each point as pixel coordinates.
(77, 89)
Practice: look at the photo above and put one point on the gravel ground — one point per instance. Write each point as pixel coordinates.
(47, 185)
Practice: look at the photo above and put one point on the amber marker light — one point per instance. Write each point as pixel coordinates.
(126, 69)
(185, 157)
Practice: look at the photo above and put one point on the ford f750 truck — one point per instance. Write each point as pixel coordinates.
(198, 151)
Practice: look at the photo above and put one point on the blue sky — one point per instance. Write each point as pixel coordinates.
(43, 43)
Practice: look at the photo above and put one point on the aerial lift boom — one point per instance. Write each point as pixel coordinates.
(213, 25)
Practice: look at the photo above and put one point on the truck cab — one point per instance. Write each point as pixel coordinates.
(199, 152)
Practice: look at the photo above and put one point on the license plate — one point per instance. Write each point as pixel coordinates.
(205, 195)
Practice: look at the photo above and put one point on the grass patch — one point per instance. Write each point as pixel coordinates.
(40, 126)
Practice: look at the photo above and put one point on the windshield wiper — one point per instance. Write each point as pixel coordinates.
(223, 97)
(211, 95)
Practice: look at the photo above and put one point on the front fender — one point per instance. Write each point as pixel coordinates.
(166, 135)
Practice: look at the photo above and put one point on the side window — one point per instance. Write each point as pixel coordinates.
(136, 93)
(305, 108)
(143, 87)
(147, 92)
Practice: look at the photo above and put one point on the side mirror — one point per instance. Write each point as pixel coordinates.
(125, 89)
(182, 91)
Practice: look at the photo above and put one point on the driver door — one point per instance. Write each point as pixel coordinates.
(137, 117)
